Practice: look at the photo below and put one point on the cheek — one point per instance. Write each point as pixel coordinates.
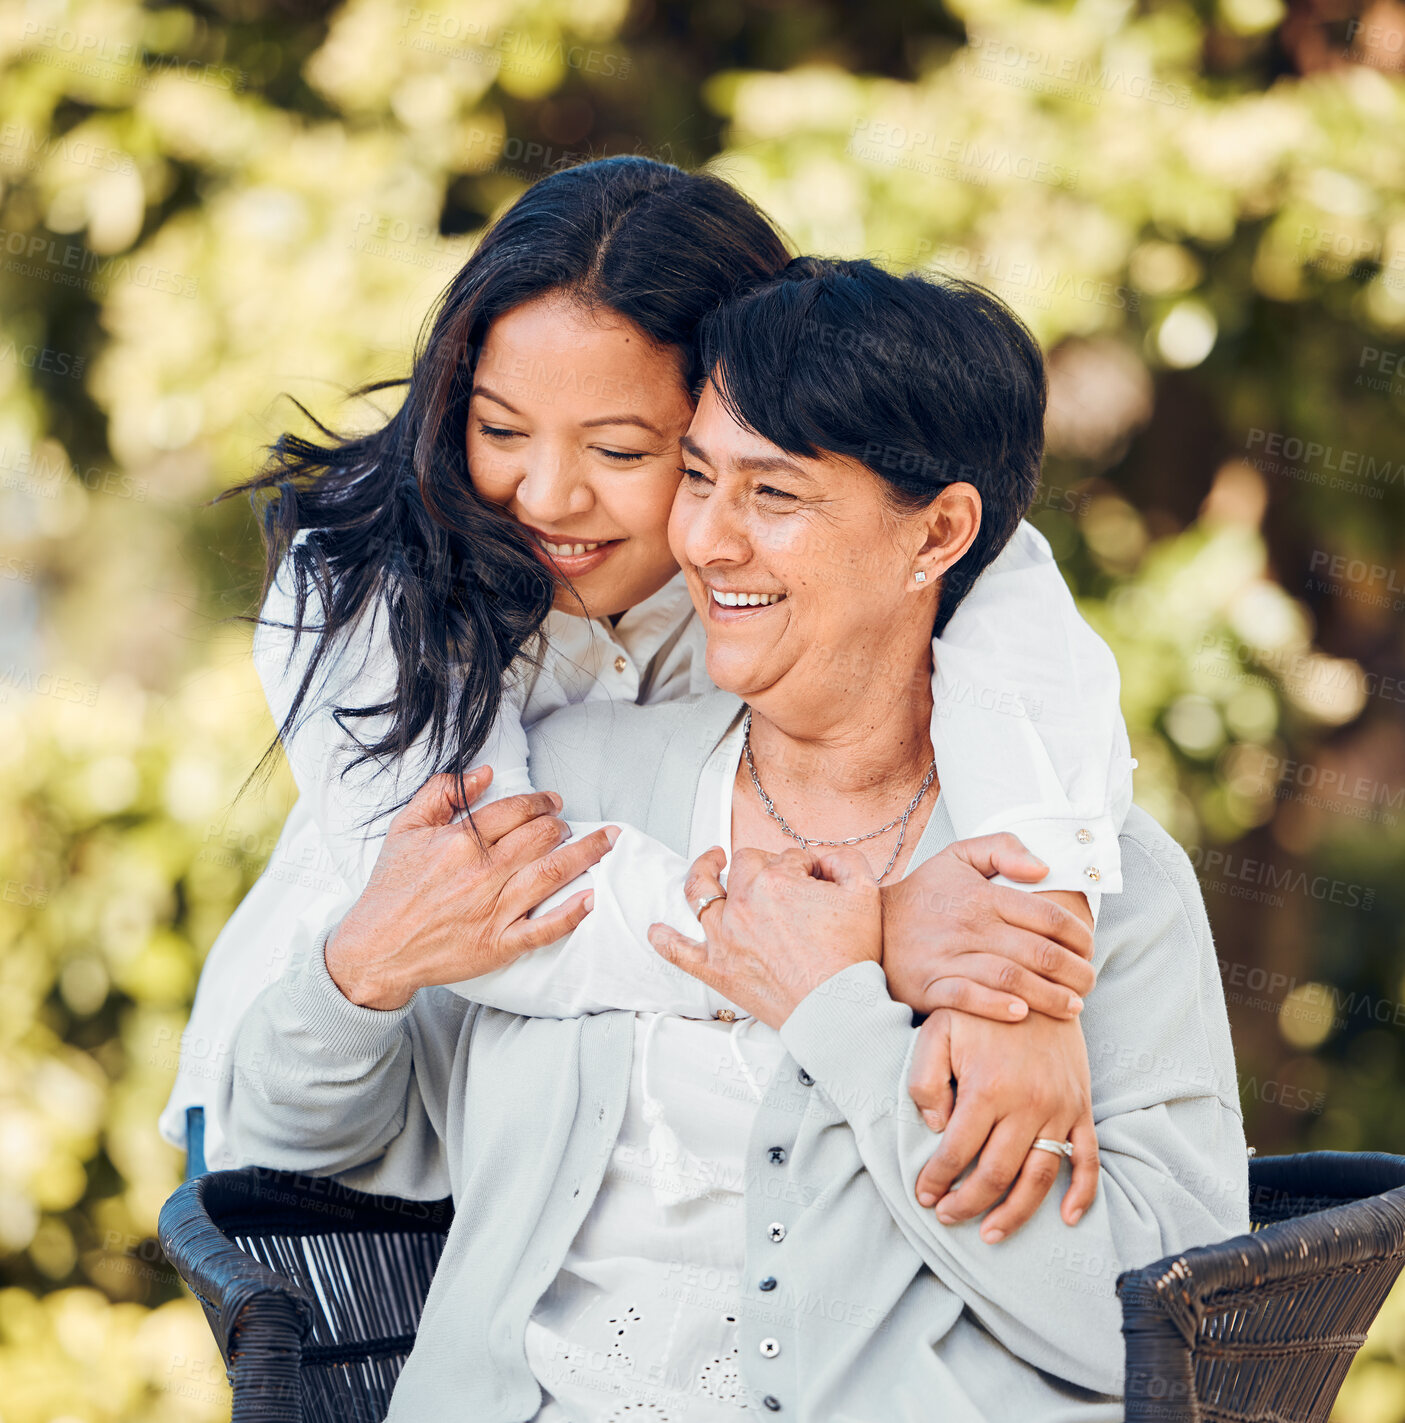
(489, 473)
(792, 550)
(642, 507)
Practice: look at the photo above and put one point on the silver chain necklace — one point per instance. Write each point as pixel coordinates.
(780, 820)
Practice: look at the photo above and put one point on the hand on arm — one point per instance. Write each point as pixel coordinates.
(954, 941)
(443, 904)
(951, 939)
(1015, 1083)
(791, 921)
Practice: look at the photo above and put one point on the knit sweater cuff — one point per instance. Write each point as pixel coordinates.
(343, 1027)
(855, 1041)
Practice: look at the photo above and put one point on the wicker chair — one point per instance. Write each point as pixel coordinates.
(313, 1290)
(314, 1293)
(1263, 1328)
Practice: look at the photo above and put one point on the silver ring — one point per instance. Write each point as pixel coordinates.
(705, 901)
(1059, 1148)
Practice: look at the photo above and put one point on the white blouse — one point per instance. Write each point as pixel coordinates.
(641, 1321)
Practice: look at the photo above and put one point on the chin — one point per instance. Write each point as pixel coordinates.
(738, 675)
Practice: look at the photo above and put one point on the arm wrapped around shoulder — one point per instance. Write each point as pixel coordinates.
(1027, 726)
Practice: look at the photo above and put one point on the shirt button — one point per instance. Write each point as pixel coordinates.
(772, 1402)
(1085, 837)
(805, 1079)
(777, 1155)
(776, 1231)
(768, 1284)
(620, 664)
(725, 1015)
(1093, 873)
(769, 1348)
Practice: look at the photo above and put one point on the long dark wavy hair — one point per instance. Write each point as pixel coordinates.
(392, 518)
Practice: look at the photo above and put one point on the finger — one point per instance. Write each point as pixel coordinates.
(497, 821)
(1050, 960)
(965, 1135)
(542, 875)
(1000, 1161)
(746, 865)
(1042, 915)
(967, 996)
(1005, 976)
(528, 844)
(690, 955)
(705, 876)
(1036, 1177)
(845, 866)
(929, 1078)
(441, 798)
(796, 861)
(537, 933)
(1086, 1164)
(1002, 854)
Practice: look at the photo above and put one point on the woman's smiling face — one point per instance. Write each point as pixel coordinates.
(573, 428)
(802, 569)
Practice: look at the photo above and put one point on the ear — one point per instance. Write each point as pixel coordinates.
(951, 522)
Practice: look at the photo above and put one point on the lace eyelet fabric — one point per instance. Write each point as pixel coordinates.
(720, 1378)
(643, 1320)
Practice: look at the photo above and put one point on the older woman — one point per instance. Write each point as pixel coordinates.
(667, 1218)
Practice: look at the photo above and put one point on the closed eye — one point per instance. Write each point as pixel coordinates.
(496, 432)
(694, 476)
(622, 456)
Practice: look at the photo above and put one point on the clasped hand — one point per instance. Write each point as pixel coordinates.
(788, 922)
(972, 955)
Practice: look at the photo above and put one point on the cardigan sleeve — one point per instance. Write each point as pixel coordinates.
(1174, 1163)
(320, 1085)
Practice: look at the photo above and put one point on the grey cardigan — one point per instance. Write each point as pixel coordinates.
(881, 1314)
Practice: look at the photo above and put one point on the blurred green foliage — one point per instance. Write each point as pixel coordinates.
(1199, 208)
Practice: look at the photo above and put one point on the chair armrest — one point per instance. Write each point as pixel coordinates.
(1337, 1241)
(1283, 1187)
(1334, 1266)
(238, 1292)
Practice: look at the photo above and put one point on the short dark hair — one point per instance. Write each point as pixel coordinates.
(927, 382)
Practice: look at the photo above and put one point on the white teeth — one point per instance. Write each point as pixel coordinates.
(745, 600)
(563, 550)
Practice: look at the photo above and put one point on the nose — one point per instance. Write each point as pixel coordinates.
(553, 487)
(714, 532)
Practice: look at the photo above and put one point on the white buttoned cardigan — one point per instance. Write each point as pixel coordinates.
(879, 1313)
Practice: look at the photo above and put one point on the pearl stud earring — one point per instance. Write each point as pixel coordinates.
(921, 576)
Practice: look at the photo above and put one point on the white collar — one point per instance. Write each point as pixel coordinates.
(639, 634)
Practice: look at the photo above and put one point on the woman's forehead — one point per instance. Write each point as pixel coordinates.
(717, 438)
(555, 352)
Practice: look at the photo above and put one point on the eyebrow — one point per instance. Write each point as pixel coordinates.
(751, 464)
(638, 420)
(495, 398)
